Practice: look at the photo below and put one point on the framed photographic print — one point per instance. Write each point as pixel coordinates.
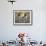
(22, 17)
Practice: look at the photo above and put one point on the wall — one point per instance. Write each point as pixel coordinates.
(37, 31)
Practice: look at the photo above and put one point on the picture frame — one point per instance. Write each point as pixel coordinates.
(22, 17)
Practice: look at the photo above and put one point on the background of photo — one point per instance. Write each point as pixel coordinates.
(38, 29)
(22, 17)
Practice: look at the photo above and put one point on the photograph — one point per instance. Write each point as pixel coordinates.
(22, 17)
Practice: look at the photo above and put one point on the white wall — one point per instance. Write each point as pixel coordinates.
(38, 30)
